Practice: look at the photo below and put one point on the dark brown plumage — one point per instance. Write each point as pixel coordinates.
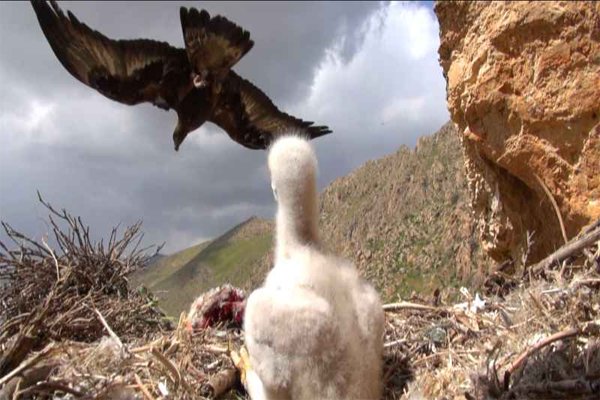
(197, 82)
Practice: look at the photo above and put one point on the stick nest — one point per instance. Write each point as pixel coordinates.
(72, 327)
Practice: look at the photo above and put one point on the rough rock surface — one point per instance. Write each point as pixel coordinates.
(523, 85)
(404, 220)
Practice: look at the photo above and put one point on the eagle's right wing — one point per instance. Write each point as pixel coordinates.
(250, 118)
(128, 71)
(213, 44)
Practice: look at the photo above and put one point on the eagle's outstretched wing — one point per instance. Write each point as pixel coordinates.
(128, 71)
(213, 45)
(251, 119)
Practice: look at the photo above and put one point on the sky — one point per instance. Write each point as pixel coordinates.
(368, 70)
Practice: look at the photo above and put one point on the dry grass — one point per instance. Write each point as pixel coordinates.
(180, 364)
(442, 352)
(530, 338)
(453, 352)
(540, 339)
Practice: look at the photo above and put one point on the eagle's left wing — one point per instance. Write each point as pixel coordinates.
(251, 119)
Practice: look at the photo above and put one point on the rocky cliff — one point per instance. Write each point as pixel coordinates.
(405, 219)
(523, 85)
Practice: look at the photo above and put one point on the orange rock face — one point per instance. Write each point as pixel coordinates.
(523, 85)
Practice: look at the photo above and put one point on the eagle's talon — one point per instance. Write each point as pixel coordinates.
(200, 82)
(241, 361)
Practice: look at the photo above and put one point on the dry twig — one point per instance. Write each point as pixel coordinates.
(574, 246)
(554, 205)
(405, 305)
(568, 333)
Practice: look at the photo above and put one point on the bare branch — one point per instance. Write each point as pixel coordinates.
(554, 205)
(574, 246)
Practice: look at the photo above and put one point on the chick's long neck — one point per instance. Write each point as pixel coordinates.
(297, 221)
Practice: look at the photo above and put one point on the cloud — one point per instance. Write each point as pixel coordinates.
(404, 109)
(388, 93)
(368, 70)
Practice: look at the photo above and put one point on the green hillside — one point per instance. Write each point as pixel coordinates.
(178, 279)
(166, 266)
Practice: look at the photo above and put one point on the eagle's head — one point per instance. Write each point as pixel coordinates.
(186, 123)
(192, 112)
(179, 134)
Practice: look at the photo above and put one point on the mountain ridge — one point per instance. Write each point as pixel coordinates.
(179, 278)
(403, 219)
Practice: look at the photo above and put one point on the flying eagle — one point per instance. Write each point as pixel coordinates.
(197, 82)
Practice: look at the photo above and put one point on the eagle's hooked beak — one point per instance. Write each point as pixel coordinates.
(178, 135)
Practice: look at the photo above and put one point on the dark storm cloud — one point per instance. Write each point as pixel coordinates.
(369, 70)
(289, 37)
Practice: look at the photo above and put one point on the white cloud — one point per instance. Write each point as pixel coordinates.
(390, 92)
(415, 26)
(23, 122)
(79, 118)
(403, 108)
(38, 114)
